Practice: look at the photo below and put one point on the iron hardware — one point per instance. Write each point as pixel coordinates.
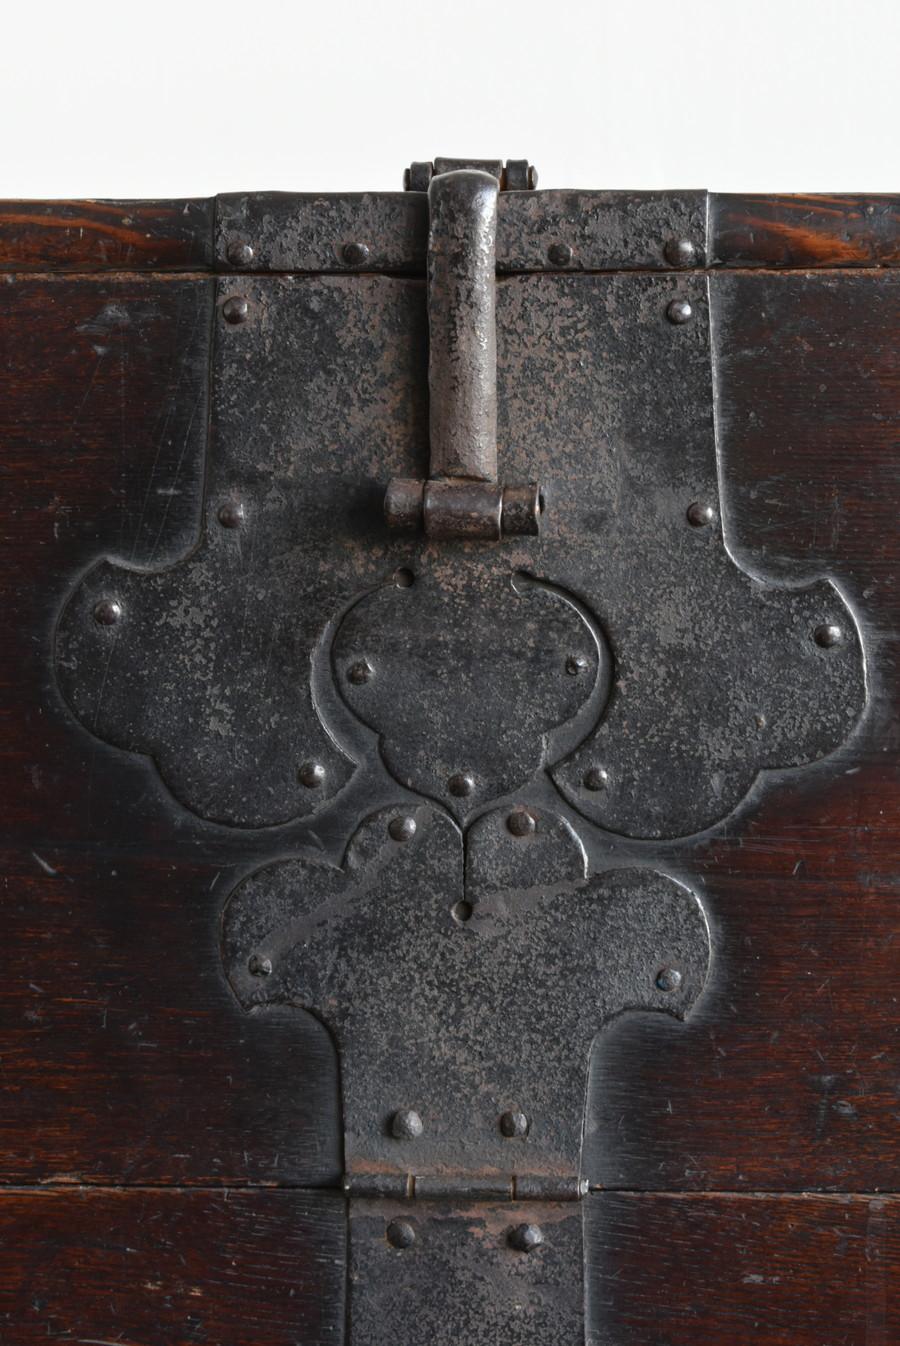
(463, 498)
(491, 739)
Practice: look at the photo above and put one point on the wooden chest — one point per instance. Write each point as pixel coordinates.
(451, 768)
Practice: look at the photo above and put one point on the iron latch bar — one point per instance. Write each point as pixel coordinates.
(462, 497)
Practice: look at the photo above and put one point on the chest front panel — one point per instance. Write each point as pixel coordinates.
(463, 909)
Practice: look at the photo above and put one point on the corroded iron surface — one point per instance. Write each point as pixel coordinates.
(501, 1293)
(464, 979)
(536, 231)
(256, 669)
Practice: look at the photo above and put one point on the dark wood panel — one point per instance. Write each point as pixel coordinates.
(775, 1271)
(127, 1058)
(106, 235)
(787, 1075)
(804, 231)
(102, 427)
(171, 1268)
(174, 1268)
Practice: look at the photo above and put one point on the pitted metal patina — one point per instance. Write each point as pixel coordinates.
(464, 977)
(318, 400)
(494, 735)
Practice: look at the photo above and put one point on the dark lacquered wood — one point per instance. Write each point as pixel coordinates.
(106, 235)
(774, 1271)
(171, 1268)
(126, 1059)
(804, 231)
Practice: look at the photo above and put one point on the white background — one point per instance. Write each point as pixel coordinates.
(161, 98)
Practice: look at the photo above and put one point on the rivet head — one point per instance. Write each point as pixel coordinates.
(402, 828)
(231, 514)
(406, 1125)
(360, 672)
(513, 1124)
(521, 823)
(258, 966)
(239, 253)
(700, 515)
(596, 778)
(236, 309)
(525, 1237)
(828, 635)
(560, 254)
(107, 612)
(311, 775)
(354, 254)
(679, 311)
(680, 252)
(461, 785)
(668, 979)
(575, 664)
(401, 1234)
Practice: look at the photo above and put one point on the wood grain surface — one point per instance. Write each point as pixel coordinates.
(153, 1138)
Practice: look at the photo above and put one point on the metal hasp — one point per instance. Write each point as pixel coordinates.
(462, 498)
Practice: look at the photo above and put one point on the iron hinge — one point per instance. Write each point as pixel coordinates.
(516, 175)
(464, 1186)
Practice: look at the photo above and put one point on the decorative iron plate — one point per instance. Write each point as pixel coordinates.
(464, 979)
(258, 671)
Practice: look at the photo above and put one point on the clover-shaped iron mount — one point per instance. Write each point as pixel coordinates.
(622, 651)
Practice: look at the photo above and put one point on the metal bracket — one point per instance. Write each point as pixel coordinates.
(464, 977)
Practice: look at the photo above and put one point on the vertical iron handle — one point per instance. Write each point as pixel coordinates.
(462, 499)
(462, 324)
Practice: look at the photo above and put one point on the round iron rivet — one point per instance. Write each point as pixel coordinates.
(575, 664)
(461, 785)
(259, 966)
(700, 515)
(236, 309)
(360, 672)
(107, 612)
(560, 254)
(679, 311)
(680, 252)
(513, 1124)
(406, 1125)
(402, 828)
(355, 254)
(668, 979)
(400, 1234)
(521, 823)
(231, 514)
(525, 1237)
(239, 253)
(311, 774)
(596, 778)
(828, 635)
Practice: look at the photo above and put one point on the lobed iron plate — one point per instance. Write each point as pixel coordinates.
(464, 978)
(622, 654)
